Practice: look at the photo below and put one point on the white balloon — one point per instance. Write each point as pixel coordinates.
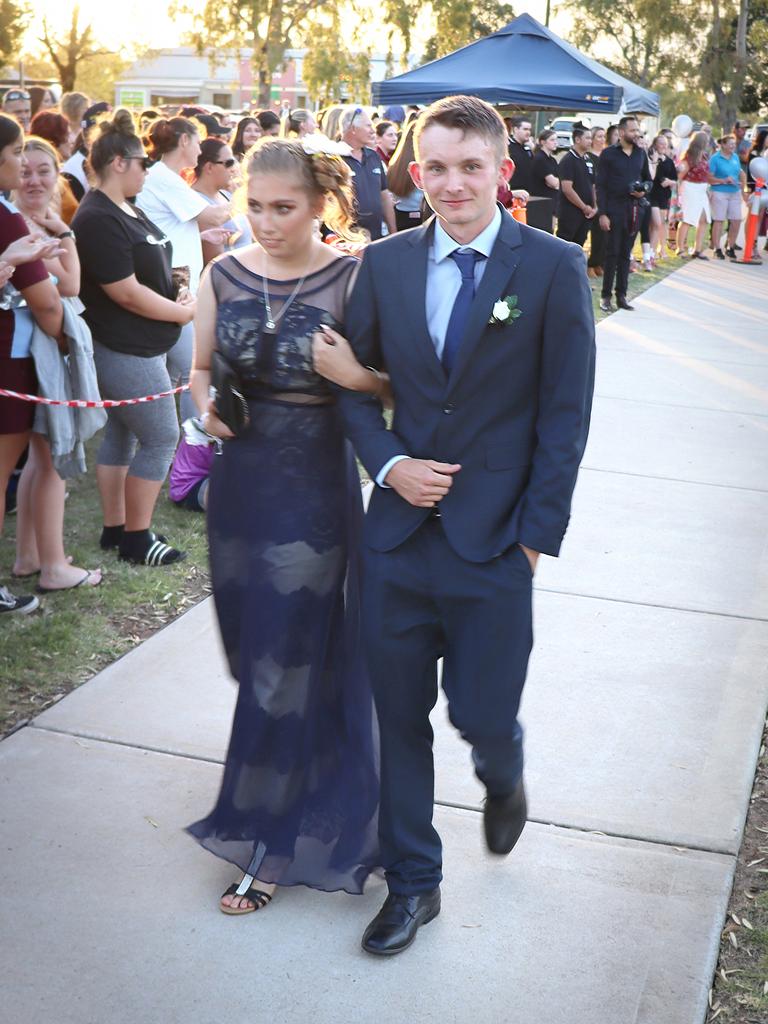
(758, 167)
(682, 126)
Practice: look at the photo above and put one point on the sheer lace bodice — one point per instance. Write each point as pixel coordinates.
(278, 364)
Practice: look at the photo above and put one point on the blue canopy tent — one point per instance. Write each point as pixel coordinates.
(522, 65)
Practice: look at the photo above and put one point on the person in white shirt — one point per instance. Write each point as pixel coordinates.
(186, 218)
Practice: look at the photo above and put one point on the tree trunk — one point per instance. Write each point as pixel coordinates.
(265, 86)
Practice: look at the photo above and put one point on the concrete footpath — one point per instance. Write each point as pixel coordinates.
(644, 709)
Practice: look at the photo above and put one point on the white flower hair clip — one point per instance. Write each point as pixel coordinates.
(320, 145)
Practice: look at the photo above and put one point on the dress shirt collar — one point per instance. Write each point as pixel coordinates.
(443, 245)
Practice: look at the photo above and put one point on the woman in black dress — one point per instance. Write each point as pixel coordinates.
(664, 175)
(299, 797)
(546, 181)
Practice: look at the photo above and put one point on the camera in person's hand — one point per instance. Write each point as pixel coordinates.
(640, 186)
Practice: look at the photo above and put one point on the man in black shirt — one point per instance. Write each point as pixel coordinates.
(520, 154)
(578, 204)
(618, 168)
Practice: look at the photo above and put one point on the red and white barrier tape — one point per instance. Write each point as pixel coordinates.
(76, 403)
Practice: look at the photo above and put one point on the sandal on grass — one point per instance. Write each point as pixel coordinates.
(80, 583)
(257, 897)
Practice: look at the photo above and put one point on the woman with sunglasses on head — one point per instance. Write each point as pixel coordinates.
(185, 217)
(213, 178)
(129, 302)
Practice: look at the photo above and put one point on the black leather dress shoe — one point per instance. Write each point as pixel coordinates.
(605, 306)
(504, 820)
(621, 302)
(394, 927)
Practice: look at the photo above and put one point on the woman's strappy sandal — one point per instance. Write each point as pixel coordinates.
(257, 897)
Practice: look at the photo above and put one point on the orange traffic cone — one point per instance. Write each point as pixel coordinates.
(753, 220)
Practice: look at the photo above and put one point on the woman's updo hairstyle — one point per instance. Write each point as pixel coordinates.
(10, 131)
(209, 154)
(320, 174)
(164, 134)
(112, 137)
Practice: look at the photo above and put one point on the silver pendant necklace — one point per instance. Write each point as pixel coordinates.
(272, 318)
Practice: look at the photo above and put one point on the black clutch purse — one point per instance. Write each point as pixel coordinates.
(231, 404)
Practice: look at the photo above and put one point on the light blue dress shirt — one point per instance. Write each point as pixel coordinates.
(443, 284)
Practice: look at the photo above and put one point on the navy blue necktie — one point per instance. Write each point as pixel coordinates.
(465, 261)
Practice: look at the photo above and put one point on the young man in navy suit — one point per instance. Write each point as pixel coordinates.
(486, 330)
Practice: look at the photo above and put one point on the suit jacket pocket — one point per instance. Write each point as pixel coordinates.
(505, 456)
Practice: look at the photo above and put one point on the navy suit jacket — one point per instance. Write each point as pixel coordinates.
(515, 409)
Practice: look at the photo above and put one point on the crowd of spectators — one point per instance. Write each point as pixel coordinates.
(108, 219)
(616, 184)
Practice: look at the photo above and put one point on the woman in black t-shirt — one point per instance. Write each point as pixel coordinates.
(130, 308)
(546, 181)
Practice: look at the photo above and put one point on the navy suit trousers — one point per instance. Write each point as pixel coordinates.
(423, 602)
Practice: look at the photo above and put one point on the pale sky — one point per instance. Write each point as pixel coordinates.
(147, 21)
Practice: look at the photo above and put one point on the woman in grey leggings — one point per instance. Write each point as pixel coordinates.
(135, 321)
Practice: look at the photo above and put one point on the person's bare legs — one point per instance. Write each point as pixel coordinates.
(111, 483)
(140, 498)
(717, 230)
(27, 559)
(656, 233)
(40, 539)
(682, 236)
(733, 232)
(11, 447)
(700, 229)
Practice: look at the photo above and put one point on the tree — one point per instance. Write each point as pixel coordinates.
(331, 72)
(98, 76)
(13, 22)
(734, 64)
(651, 40)
(264, 26)
(458, 23)
(77, 47)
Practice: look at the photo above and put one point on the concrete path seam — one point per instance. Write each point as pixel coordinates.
(678, 405)
(676, 480)
(438, 803)
(651, 604)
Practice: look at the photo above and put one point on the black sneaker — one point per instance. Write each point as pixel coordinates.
(12, 605)
(731, 252)
(606, 306)
(719, 253)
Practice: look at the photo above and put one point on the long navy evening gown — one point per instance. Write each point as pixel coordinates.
(299, 797)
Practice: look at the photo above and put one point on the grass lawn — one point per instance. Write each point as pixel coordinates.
(77, 632)
(740, 991)
(638, 283)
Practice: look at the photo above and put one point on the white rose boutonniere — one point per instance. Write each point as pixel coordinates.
(505, 312)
